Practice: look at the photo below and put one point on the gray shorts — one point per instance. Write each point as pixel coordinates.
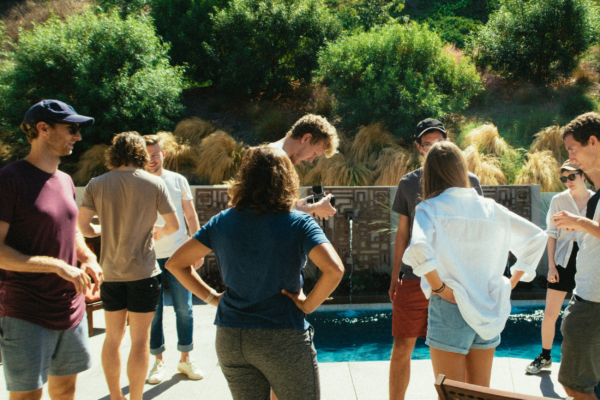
(580, 365)
(30, 353)
(255, 360)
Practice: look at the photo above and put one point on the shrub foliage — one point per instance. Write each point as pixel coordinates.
(261, 46)
(397, 75)
(535, 40)
(187, 24)
(114, 70)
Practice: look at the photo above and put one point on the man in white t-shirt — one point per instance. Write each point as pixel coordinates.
(181, 195)
(311, 136)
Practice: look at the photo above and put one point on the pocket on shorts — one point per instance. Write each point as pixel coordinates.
(451, 316)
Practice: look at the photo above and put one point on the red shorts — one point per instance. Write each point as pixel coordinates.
(410, 310)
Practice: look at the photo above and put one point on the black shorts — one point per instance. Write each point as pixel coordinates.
(135, 296)
(566, 276)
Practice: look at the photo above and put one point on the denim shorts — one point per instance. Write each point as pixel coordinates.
(447, 330)
(31, 353)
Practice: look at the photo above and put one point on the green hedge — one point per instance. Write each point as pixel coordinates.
(114, 70)
(398, 75)
(259, 47)
(537, 40)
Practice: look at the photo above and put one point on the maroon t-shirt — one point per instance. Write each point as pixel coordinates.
(42, 213)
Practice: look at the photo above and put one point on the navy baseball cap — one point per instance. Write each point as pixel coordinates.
(55, 111)
(428, 125)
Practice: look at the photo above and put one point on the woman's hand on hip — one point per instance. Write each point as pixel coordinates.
(297, 298)
(448, 295)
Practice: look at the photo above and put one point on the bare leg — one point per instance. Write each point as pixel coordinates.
(32, 395)
(479, 367)
(400, 367)
(577, 395)
(139, 355)
(184, 356)
(111, 357)
(273, 397)
(62, 387)
(452, 365)
(554, 300)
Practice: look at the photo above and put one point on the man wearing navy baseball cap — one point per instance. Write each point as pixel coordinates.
(41, 313)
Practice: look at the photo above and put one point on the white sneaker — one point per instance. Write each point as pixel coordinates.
(157, 373)
(190, 368)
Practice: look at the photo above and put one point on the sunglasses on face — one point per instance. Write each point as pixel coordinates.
(74, 129)
(570, 177)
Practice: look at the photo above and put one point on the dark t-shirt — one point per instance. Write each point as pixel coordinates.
(42, 213)
(258, 255)
(408, 196)
(591, 205)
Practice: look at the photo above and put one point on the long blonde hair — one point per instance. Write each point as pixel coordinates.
(445, 167)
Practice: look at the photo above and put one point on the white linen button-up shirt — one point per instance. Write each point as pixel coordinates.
(564, 239)
(466, 238)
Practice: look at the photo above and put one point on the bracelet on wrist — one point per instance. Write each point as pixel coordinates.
(210, 296)
(440, 290)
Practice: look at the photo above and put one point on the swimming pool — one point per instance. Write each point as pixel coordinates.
(366, 335)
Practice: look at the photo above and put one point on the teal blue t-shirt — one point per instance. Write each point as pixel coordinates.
(258, 255)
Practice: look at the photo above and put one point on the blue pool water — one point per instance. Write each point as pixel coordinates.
(366, 335)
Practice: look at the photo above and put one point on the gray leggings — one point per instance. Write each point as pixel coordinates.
(255, 360)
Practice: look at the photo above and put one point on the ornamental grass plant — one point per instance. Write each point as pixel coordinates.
(487, 139)
(369, 142)
(541, 169)
(486, 167)
(179, 155)
(91, 164)
(549, 139)
(218, 157)
(392, 164)
(340, 170)
(193, 130)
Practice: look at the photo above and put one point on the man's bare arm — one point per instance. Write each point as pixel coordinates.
(13, 260)
(190, 216)
(321, 209)
(84, 223)
(400, 244)
(192, 222)
(89, 262)
(170, 227)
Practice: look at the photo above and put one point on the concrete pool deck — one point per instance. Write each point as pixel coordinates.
(339, 381)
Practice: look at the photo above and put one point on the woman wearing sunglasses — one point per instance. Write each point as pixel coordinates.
(562, 253)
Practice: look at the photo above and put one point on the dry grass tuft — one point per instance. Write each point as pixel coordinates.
(91, 164)
(27, 14)
(549, 139)
(369, 142)
(340, 170)
(178, 156)
(303, 169)
(192, 130)
(541, 169)
(393, 164)
(487, 138)
(585, 76)
(219, 157)
(486, 167)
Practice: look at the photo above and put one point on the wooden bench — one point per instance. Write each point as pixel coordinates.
(453, 390)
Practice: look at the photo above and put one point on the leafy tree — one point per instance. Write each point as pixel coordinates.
(114, 70)
(187, 25)
(362, 15)
(261, 46)
(396, 74)
(535, 40)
